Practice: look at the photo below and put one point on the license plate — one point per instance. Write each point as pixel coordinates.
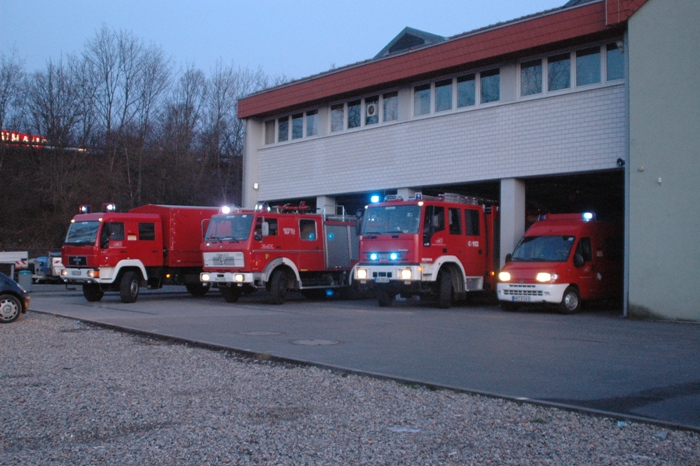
(75, 272)
(382, 280)
(521, 299)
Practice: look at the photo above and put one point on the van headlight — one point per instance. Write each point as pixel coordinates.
(544, 277)
(504, 276)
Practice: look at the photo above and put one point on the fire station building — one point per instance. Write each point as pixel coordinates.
(592, 106)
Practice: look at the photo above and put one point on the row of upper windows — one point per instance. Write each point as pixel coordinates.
(540, 76)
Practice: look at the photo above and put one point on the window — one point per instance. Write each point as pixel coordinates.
(147, 231)
(531, 77)
(434, 219)
(282, 129)
(312, 123)
(455, 221)
(490, 86)
(466, 91)
(270, 132)
(588, 66)
(615, 63)
(372, 110)
(113, 231)
(298, 126)
(443, 95)
(472, 217)
(338, 117)
(307, 230)
(421, 100)
(354, 114)
(584, 248)
(559, 72)
(391, 106)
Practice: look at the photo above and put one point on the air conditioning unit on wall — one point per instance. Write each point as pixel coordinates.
(372, 110)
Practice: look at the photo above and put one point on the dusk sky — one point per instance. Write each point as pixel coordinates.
(293, 38)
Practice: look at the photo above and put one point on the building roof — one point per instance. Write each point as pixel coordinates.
(399, 62)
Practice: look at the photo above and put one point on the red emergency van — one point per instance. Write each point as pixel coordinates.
(564, 259)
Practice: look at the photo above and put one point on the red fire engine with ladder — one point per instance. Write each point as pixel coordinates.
(280, 249)
(431, 246)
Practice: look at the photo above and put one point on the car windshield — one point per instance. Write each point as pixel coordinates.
(229, 227)
(543, 249)
(82, 233)
(386, 220)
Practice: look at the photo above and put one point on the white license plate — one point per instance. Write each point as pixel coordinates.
(382, 280)
(521, 299)
(75, 272)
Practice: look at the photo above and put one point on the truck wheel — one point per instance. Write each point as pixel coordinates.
(278, 286)
(198, 289)
(445, 289)
(385, 298)
(571, 301)
(92, 292)
(231, 293)
(129, 287)
(10, 308)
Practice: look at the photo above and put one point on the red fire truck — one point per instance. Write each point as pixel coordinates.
(441, 247)
(279, 249)
(151, 245)
(564, 259)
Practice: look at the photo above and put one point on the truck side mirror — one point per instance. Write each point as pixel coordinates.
(265, 229)
(578, 260)
(509, 256)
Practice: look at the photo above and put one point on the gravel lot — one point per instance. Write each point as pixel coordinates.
(72, 393)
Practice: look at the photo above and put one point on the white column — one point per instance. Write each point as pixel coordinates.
(405, 192)
(325, 201)
(512, 215)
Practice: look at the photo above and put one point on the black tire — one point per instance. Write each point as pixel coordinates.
(129, 287)
(92, 292)
(509, 306)
(278, 286)
(445, 289)
(385, 298)
(198, 289)
(231, 293)
(10, 308)
(571, 301)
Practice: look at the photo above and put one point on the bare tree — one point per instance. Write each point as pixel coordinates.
(11, 78)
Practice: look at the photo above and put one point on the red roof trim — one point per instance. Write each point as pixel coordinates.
(479, 47)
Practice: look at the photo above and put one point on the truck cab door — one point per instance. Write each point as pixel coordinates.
(311, 257)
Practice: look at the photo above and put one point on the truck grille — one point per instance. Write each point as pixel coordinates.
(522, 290)
(77, 261)
(223, 259)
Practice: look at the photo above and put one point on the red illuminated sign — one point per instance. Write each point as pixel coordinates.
(13, 137)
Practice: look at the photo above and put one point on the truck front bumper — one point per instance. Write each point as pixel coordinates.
(383, 274)
(531, 292)
(75, 275)
(228, 278)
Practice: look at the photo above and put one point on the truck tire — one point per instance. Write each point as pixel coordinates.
(278, 286)
(92, 292)
(10, 308)
(571, 301)
(385, 298)
(231, 293)
(198, 289)
(445, 289)
(129, 287)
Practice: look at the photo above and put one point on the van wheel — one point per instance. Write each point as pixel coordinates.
(385, 298)
(445, 289)
(92, 292)
(129, 287)
(278, 286)
(231, 293)
(198, 289)
(571, 301)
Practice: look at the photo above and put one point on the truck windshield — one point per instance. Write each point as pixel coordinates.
(386, 220)
(543, 249)
(229, 227)
(82, 233)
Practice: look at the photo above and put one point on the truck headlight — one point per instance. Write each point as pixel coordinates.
(504, 276)
(362, 274)
(405, 274)
(544, 277)
(239, 278)
(205, 277)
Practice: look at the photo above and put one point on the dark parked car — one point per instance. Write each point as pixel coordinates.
(14, 300)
